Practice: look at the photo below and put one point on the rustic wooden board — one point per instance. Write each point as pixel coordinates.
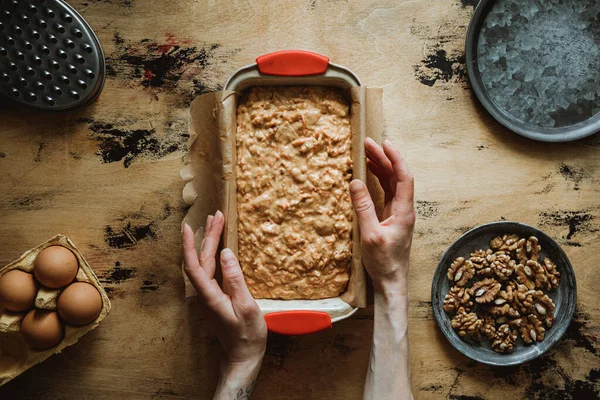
(108, 177)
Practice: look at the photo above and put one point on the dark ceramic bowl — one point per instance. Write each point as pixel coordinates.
(564, 296)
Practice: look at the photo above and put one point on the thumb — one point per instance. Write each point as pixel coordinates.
(363, 206)
(233, 278)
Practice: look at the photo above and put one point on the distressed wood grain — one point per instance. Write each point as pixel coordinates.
(108, 177)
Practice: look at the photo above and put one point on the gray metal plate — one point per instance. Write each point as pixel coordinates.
(535, 66)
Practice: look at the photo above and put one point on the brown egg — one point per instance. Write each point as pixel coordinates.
(55, 267)
(42, 329)
(80, 303)
(17, 290)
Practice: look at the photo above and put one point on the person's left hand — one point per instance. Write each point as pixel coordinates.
(232, 311)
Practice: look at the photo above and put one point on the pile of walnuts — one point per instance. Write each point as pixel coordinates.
(499, 293)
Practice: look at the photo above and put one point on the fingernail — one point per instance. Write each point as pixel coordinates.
(219, 213)
(228, 257)
(355, 186)
(387, 142)
(183, 225)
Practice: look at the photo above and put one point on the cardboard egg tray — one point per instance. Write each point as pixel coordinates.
(15, 355)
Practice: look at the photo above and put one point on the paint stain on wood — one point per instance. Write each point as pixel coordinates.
(542, 378)
(149, 286)
(26, 202)
(547, 189)
(32, 202)
(127, 236)
(126, 231)
(459, 373)
(431, 388)
(576, 221)
(163, 65)
(312, 4)
(118, 39)
(115, 293)
(573, 174)
(39, 154)
(463, 229)
(341, 346)
(152, 283)
(280, 348)
(439, 66)
(120, 3)
(427, 209)
(447, 144)
(119, 141)
(550, 381)
(2, 155)
(469, 3)
(579, 332)
(165, 393)
(423, 310)
(118, 274)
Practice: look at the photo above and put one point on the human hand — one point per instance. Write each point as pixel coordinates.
(232, 311)
(386, 244)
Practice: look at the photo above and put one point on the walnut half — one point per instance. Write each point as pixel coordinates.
(485, 290)
(461, 271)
(528, 249)
(552, 274)
(532, 275)
(530, 328)
(466, 323)
(503, 267)
(498, 264)
(479, 259)
(505, 310)
(504, 339)
(506, 242)
(543, 307)
(488, 327)
(457, 297)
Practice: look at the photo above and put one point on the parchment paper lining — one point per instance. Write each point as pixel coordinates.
(209, 172)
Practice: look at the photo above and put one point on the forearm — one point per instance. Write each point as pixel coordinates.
(388, 376)
(237, 381)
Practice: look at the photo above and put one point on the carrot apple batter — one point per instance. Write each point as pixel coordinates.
(294, 167)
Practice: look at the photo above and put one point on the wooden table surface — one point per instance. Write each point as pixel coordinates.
(108, 177)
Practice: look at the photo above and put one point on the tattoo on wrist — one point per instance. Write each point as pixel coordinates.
(245, 394)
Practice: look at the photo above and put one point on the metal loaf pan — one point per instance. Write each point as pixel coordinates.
(287, 68)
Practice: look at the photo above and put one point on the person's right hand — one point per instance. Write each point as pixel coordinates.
(386, 244)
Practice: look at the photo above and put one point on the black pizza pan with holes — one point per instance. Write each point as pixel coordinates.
(574, 122)
(50, 59)
(564, 296)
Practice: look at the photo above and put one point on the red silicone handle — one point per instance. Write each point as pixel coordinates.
(292, 63)
(297, 322)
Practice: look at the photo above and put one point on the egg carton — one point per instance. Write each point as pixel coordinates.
(15, 355)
